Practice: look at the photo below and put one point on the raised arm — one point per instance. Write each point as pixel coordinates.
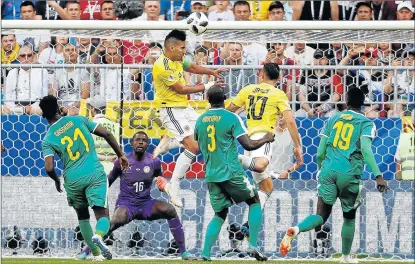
(194, 68)
(249, 144)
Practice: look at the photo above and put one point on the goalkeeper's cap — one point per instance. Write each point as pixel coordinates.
(97, 102)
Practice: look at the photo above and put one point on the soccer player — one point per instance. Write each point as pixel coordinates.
(263, 103)
(86, 183)
(134, 200)
(346, 142)
(216, 131)
(176, 114)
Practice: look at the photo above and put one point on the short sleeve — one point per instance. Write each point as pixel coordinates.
(239, 128)
(169, 77)
(325, 131)
(282, 102)
(89, 124)
(239, 100)
(369, 130)
(47, 149)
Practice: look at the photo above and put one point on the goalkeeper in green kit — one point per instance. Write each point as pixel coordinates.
(86, 183)
(215, 132)
(346, 143)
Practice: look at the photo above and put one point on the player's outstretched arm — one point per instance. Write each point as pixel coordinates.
(104, 133)
(50, 170)
(249, 144)
(295, 136)
(179, 88)
(194, 68)
(369, 157)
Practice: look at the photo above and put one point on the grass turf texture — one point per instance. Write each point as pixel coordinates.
(162, 261)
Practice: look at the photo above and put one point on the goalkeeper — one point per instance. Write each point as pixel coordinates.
(346, 142)
(216, 131)
(175, 112)
(86, 183)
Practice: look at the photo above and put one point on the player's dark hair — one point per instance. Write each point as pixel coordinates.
(49, 106)
(28, 3)
(140, 133)
(202, 49)
(241, 3)
(272, 70)
(175, 35)
(216, 95)
(355, 98)
(276, 5)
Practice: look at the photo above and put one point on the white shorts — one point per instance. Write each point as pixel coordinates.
(179, 121)
(263, 152)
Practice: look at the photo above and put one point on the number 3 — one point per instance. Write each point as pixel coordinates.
(345, 132)
(77, 133)
(211, 135)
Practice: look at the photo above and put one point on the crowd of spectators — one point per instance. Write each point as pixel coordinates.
(313, 92)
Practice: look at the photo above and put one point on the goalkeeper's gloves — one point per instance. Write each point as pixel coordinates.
(208, 85)
(161, 183)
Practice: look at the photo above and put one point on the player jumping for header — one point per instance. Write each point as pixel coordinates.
(346, 143)
(175, 112)
(86, 183)
(263, 103)
(134, 200)
(216, 131)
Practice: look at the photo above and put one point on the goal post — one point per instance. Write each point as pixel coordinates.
(385, 223)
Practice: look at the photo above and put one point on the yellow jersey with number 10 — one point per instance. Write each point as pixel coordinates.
(263, 103)
(166, 73)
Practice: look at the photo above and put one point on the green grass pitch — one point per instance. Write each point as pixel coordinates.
(162, 261)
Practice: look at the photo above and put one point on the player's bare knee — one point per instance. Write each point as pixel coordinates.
(350, 215)
(169, 211)
(222, 214)
(261, 164)
(190, 144)
(266, 185)
(82, 213)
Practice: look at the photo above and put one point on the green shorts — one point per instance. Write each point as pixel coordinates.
(236, 190)
(348, 188)
(91, 190)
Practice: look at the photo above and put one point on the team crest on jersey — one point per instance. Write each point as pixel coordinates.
(146, 169)
(170, 78)
(186, 128)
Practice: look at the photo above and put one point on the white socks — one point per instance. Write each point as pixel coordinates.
(247, 162)
(263, 197)
(174, 143)
(182, 165)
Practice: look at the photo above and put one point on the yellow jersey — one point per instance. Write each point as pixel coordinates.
(166, 73)
(263, 103)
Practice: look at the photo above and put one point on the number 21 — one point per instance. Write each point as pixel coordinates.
(77, 133)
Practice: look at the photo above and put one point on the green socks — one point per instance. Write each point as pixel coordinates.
(347, 235)
(212, 234)
(254, 221)
(311, 222)
(87, 233)
(103, 226)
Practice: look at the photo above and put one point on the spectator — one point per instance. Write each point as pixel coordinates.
(154, 51)
(276, 55)
(170, 9)
(347, 10)
(25, 86)
(107, 10)
(201, 57)
(51, 10)
(222, 13)
(364, 11)
(339, 50)
(86, 49)
(151, 11)
(28, 10)
(134, 51)
(300, 53)
(405, 11)
(10, 10)
(90, 10)
(54, 53)
(405, 154)
(73, 9)
(110, 79)
(199, 6)
(242, 11)
(383, 10)
(315, 10)
(238, 78)
(319, 86)
(71, 84)
(259, 9)
(276, 11)
(401, 84)
(9, 49)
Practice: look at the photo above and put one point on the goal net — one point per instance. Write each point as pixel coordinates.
(82, 61)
